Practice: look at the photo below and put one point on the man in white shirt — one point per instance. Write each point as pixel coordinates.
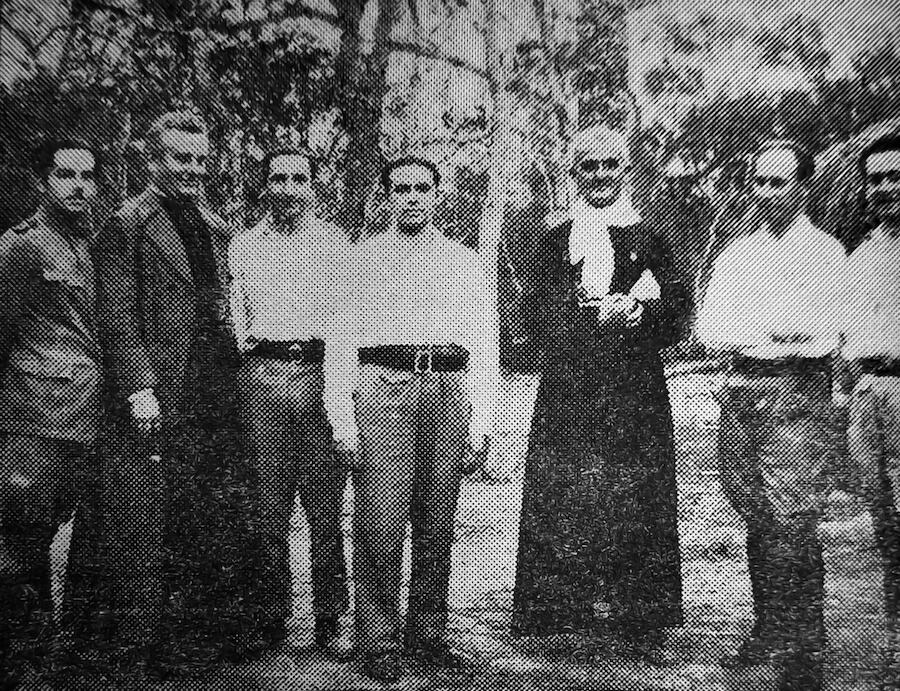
(424, 329)
(873, 351)
(773, 308)
(289, 272)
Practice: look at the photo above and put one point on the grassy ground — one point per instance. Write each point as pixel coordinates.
(717, 594)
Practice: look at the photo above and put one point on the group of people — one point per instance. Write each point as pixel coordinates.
(179, 386)
(806, 331)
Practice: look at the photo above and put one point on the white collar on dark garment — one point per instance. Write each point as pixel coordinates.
(589, 239)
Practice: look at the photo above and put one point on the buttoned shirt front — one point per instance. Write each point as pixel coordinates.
(763, 286)
(872, 313)
(419, 290)
(286, 286)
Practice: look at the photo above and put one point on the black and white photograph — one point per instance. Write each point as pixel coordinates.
(350, 345)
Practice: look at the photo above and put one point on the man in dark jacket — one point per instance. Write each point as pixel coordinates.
(50, 380)
(175, 488)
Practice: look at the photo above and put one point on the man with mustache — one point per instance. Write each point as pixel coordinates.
(289, 271)
(177, 507)
(50, 381)
(598, 537)
(772, 309)
(872, 349)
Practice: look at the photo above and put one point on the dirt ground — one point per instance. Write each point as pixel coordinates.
(716, 586)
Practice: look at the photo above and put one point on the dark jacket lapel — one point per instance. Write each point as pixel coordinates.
(161, 233)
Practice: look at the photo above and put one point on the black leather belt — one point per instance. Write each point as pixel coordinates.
(419, 359)
(312, 351)
(880, 367)
(782, 366)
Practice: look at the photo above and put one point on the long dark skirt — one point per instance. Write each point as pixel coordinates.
(598, 543)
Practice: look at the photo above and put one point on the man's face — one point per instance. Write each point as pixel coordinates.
(599, 175)
(180, 169)
(412, 195)
(775, 185)
(883, 185)
(289, 185)
(70, 184)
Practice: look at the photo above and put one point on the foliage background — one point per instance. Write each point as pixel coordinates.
(491, 89)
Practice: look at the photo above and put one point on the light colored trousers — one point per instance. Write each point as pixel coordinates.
(412, 436)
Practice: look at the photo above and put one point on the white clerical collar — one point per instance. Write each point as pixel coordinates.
(590, 242)
(590, 225)
(621, 213)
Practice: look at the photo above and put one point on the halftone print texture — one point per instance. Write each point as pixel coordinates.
(597, 390)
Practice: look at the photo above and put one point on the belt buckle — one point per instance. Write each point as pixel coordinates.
(423, 362)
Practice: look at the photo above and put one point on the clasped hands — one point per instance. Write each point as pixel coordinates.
(615, 309)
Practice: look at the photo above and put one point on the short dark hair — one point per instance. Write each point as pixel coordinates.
(806, 164)
(404, 161)
(886, 142)
(43, 154)
(179, 120)
(290, 151)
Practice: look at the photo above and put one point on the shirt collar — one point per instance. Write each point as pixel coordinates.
(66, 227)
(800, 224)
(427, 234)
(267, 229)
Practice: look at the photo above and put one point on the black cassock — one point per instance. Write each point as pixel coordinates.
(598, 543)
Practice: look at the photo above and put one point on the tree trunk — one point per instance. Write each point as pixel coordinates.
(361, 92)
(602, 71)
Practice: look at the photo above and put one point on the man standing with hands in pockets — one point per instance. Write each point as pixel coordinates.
(423, 327)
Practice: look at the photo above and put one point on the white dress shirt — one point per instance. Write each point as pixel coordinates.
(762, 285)
(419, 290)
(286, 286)
(290, 287)
(872, 324)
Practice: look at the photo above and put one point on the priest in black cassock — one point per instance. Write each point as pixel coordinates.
(598, 544)
(177, 552)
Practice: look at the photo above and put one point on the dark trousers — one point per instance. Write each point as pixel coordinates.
(41, 480)
(787, 578)
(412, 429)
(774, 441)
(291, 443)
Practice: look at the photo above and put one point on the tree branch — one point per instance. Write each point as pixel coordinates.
(434, 53)
(31, 49)
(419, 49)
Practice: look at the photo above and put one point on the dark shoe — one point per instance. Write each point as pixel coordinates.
(439, 654)
(336, 638)
(756, 650)
(384, 667)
